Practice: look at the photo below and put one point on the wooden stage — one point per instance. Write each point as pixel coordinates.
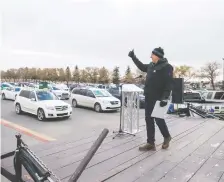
(196, 154)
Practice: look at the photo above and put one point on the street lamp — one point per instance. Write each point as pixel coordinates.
(223, 70)
(223, 73)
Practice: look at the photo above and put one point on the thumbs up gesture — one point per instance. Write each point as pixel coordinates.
(131, 54)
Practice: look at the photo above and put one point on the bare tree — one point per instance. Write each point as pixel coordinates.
(210, 71)
(185, 72)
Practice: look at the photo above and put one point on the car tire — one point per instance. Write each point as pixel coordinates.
(3, 97)
(74, 103)
(97, 107)
(40, 114)
(18, 109)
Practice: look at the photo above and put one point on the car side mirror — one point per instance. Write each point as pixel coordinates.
(33, 99)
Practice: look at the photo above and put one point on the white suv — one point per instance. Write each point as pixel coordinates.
(42, 103)
(99, 99)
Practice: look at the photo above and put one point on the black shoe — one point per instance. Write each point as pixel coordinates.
(147, 147)
(166, 142)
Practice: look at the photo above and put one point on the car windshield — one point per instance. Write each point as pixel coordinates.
(101, 93)
(17, 89)
(43, 95)
(55, 88)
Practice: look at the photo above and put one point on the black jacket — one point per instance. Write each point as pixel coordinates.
(159, 79)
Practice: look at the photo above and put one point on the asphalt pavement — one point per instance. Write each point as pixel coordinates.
(83, 122)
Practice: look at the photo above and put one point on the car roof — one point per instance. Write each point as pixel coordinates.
(33, 89)
(88, 88)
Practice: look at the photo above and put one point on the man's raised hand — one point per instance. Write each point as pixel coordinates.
(131, 53)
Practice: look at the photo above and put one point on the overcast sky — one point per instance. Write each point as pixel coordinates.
(60, 33)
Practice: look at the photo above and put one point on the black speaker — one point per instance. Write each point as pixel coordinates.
(178, 91)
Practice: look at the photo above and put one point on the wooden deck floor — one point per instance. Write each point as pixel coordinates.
(196, 154)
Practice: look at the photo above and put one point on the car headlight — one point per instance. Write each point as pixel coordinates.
(50, 107)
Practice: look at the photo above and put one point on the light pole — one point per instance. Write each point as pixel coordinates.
(223, 73)
(223, 70)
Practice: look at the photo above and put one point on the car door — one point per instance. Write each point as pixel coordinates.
(24, 100)
(76, 95)
(32, 103)
(7, 92)
(83, 98)
(90, 99)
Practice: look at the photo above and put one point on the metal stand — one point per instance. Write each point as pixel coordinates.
(125, 103)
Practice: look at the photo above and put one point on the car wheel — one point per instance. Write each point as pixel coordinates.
(18, 109)
(40, 115)
(74, 103)
(97, 107)
(3, 96)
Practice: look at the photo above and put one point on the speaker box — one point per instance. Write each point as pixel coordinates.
(178, 91)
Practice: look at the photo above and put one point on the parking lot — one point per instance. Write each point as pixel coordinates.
(84, 122)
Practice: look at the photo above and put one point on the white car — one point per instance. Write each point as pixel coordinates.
(98, 99)
(42, 103)
(61, 94)
(62, 87)
(10, 93)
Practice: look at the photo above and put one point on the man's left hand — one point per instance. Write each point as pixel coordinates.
(163, 103)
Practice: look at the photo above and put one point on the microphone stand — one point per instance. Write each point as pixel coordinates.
(120, 132)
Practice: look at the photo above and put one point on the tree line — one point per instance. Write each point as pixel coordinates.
(87, 75)
(102, 75)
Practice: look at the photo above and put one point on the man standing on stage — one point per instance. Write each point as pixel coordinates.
(158, 86)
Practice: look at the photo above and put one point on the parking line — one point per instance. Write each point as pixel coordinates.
(27, 131)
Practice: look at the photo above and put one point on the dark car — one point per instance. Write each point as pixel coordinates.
(116, 92)
(195, 97)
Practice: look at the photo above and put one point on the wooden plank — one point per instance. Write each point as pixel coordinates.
(72, 145)
(111, 163)
(212, 170)
(142, 157)
(222, 178)
(75, 154)
(157, 132)
(67, 150)
(187, 168)
(174, 153)
(219, 154)
(165, 166)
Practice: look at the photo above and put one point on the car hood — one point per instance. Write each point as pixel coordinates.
(108, 99)
(53, 103)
